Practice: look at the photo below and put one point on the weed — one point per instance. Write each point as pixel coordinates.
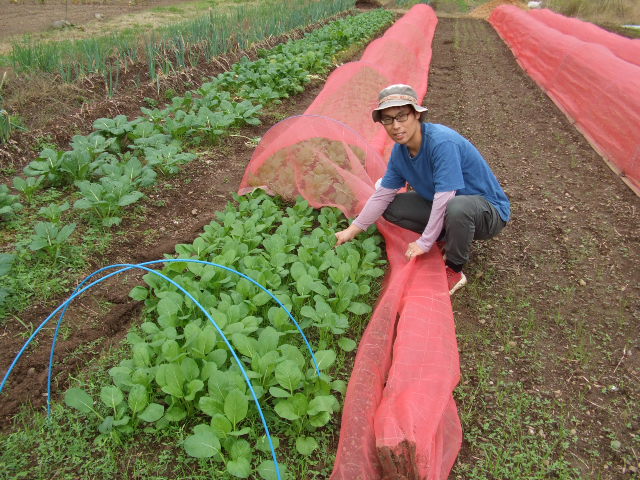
(171, 9)
(82, 350)
(151, 236)
(8, 170)
(28, 329)
(170, 93)
(574, 161)
(151, 102)
(520, 435)
(45, 141)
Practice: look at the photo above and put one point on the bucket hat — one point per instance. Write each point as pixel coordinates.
(396, 96)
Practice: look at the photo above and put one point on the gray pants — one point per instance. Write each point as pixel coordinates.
(468, 218)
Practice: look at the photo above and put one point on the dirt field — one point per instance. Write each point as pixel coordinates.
(30, 16)
(572, 250)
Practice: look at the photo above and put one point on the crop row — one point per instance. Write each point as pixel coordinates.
(107, 170)
(174, 47)
(180, 369)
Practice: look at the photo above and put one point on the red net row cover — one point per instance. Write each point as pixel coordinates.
(592, 75)
(624, 48)
(399, 418)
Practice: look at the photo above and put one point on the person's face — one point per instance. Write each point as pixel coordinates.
(404, 126)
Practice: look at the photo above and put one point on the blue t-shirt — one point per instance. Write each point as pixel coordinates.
(446, 161)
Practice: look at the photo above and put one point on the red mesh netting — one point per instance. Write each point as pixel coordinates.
(399, 418)
(317, 157)
(595, 88)
(625, 48)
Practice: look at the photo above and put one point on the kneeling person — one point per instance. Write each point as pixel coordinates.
(456, 195)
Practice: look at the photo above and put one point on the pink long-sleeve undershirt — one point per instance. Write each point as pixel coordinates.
(436, 220)
(375, 206)
(382, 197)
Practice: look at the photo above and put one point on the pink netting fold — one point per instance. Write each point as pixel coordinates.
(395, 55)
(399, 418)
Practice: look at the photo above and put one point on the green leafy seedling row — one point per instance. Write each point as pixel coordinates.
(173, 47)
(110, 168)
(180, 369)
(121, 155)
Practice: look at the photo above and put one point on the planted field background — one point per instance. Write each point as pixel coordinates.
(547, 328)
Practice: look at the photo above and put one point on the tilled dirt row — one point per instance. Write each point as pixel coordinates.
(572, 248)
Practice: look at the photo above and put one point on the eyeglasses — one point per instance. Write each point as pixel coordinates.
(401, 117)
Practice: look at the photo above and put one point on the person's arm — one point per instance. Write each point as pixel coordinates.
(436, 220)
(375, 206)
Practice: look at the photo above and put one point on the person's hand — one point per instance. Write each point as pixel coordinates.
(347, 234)
(413, 250)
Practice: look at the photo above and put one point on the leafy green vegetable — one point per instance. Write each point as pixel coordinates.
(203, 443)
(51, 237)
(79, 399)
(27, 186)
(9, 204)
(306, 445)
(53, 212)
(107, 198)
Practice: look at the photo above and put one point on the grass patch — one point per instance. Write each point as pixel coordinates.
(171, 9)
(455, 6)
(40, 274)
(609, 12)
(512, 433)
(512, 429)
(624, 31)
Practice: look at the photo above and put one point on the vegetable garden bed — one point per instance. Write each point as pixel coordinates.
(109, 139)
(216, 349)
(111, 166)
(549, 361)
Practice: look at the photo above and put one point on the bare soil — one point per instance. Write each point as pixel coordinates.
(573, 245)
(31, 16)
(572, 249)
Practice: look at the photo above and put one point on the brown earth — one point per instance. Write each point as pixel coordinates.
(571, 252)
(31, 16)
(572, 247)
(484, 11)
